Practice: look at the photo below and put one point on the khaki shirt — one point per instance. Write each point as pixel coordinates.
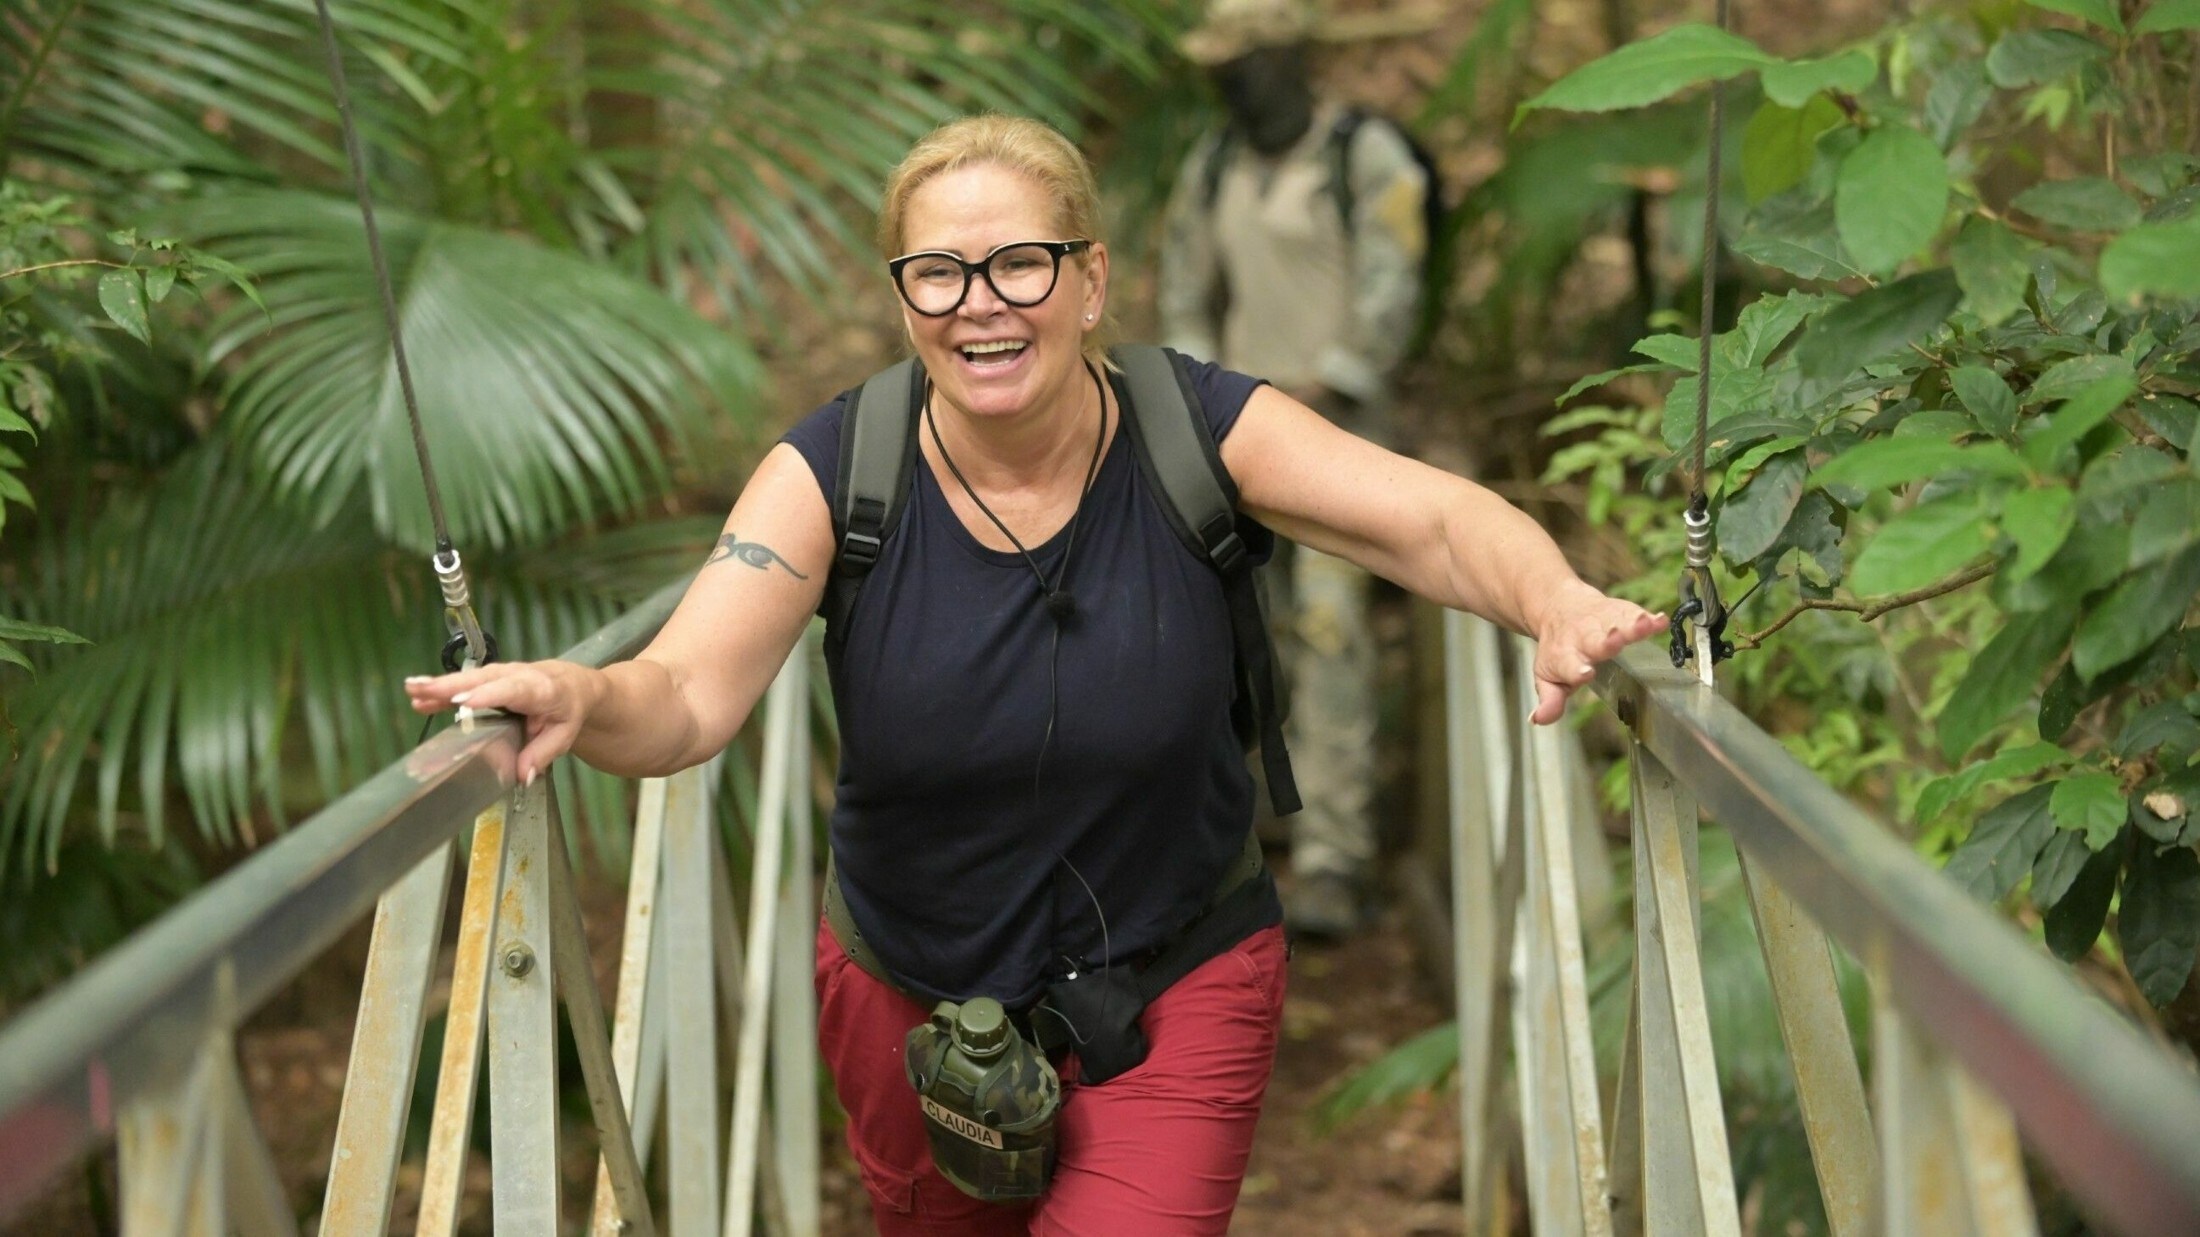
(1272, 282)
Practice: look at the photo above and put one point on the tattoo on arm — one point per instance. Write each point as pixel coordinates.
(755, 554)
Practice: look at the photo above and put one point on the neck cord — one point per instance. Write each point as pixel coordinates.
(1058, 603)
(1060, 608)
(465, 629)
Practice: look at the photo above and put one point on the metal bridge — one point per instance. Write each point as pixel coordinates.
(1982, 1047)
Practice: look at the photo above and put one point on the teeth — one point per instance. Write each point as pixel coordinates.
(998, 345)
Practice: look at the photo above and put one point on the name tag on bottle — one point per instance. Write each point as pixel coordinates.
(983, 1135)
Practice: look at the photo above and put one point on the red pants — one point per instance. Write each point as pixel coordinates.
(1157, 1151)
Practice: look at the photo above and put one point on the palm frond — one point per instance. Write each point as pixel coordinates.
(549, 386)
(782, 117)
(234, 648)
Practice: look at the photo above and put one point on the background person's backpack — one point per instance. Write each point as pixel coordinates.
(1176, 452)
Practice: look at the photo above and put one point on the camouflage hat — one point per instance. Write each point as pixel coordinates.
(1232, 28)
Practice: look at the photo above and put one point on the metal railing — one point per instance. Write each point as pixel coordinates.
(139, 1047)
(1978, 1039)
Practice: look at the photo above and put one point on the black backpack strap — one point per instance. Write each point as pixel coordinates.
(1177, 451)
(1339, 148)
(878, 446)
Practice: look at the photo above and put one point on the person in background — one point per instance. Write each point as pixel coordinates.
(1272, 268)
(1035, 796)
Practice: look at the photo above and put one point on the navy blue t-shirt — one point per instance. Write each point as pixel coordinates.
(968, 867)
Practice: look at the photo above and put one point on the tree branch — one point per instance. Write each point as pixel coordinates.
(47, 266)
(1868, 610)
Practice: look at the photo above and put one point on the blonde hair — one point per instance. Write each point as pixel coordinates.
(1027, 147)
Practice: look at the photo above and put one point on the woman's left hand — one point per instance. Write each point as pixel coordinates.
(1581, 630)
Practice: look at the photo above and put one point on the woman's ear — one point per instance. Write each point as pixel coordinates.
(1096, 283)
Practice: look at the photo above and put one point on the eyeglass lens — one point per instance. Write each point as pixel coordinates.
(1022, 275)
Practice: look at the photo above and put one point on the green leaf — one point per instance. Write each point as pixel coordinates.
(2091, 559)
(2002, 677)
(17, 629)
(2168, 15)
(1890, 196)
(1886, 462)
(2059, 864)
(1749, 522)
(2039, 521)
(2036, 57)
(1988, 398)
(2065, 379)
(2074, 921)
(2168, 522)
(2003, 845)
(1765, 323)
(2160, 923)
(1650, 70)
(2085, 204)
(1598, 380)
(1796, 237)
(2154, 259)
(1780, 144)
(2008, 763)
(1993, 265)
(1796, 82)
(1678, 351)
(2092, 804)
(1875, 323)
(122, 295)
(1958, 97)
(2135, 614)
(1921, 546)
(2078, 415)
(2099, 12)
(158, 281)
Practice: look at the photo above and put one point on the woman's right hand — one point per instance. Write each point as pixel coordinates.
(553, 698)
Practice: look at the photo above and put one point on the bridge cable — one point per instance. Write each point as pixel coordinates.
(466, 635)
(1699, 593)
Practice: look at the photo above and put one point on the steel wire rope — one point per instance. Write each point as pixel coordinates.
(466, 633)
(1699, 596)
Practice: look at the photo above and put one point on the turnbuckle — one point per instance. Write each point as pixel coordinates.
(1699, 601)
(467, 642)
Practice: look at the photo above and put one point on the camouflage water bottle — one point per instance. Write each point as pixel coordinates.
(989, 1100)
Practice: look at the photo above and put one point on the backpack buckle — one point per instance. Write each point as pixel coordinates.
(1225, 549)
(859, 550)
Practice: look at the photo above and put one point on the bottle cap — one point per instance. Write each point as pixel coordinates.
(981, 1027)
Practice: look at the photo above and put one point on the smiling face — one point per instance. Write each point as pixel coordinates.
(988, 358)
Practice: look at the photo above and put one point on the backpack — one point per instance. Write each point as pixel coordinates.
(1437, 222)
(1176, 452)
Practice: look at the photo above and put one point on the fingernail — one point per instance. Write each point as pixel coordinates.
(460, 698)
(417, 678)
(528, 778)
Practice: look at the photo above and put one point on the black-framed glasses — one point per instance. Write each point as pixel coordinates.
(935, 283)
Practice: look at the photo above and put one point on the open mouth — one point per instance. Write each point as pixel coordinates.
(993, 353)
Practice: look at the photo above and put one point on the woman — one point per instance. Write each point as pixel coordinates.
(1026, 791)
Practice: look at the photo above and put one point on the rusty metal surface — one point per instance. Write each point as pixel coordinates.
(1688, 1173)
(629, 1003)
(385, 1048)
(1829, 1088)
(451, 1122)
(2115, 1116)
(522, 1033)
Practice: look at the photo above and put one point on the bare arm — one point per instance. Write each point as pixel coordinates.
(682, 698)
(1439, 536)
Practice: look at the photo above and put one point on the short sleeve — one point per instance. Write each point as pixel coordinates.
(817, 437)
(1222, 392)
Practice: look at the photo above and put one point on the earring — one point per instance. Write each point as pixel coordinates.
(1088, 317)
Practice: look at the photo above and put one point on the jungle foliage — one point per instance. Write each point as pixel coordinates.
(589, 210)
(1961, 411)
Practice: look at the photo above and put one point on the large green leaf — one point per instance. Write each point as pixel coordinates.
(2091, 804)
(2085, 204)
(1922, 545)
(2035, 57)
(2154, 259)
(547, 385)
(2167, 15)
(2081, 907)
(2099, 12)
(1993, 265)
(2168, 522)
(1875, 323)
(1651, 69)
(1987, 396)
(1890, 196)
(1749, 522)
(2079, 414)
(2135, 614)
(2160, 923)
(1796, 82)
(1886, 462)
(2003, 844)
(1780, 143)
(2002, 676)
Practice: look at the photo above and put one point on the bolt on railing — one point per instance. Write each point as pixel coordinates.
(1978, 1040)
(139, 1048)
